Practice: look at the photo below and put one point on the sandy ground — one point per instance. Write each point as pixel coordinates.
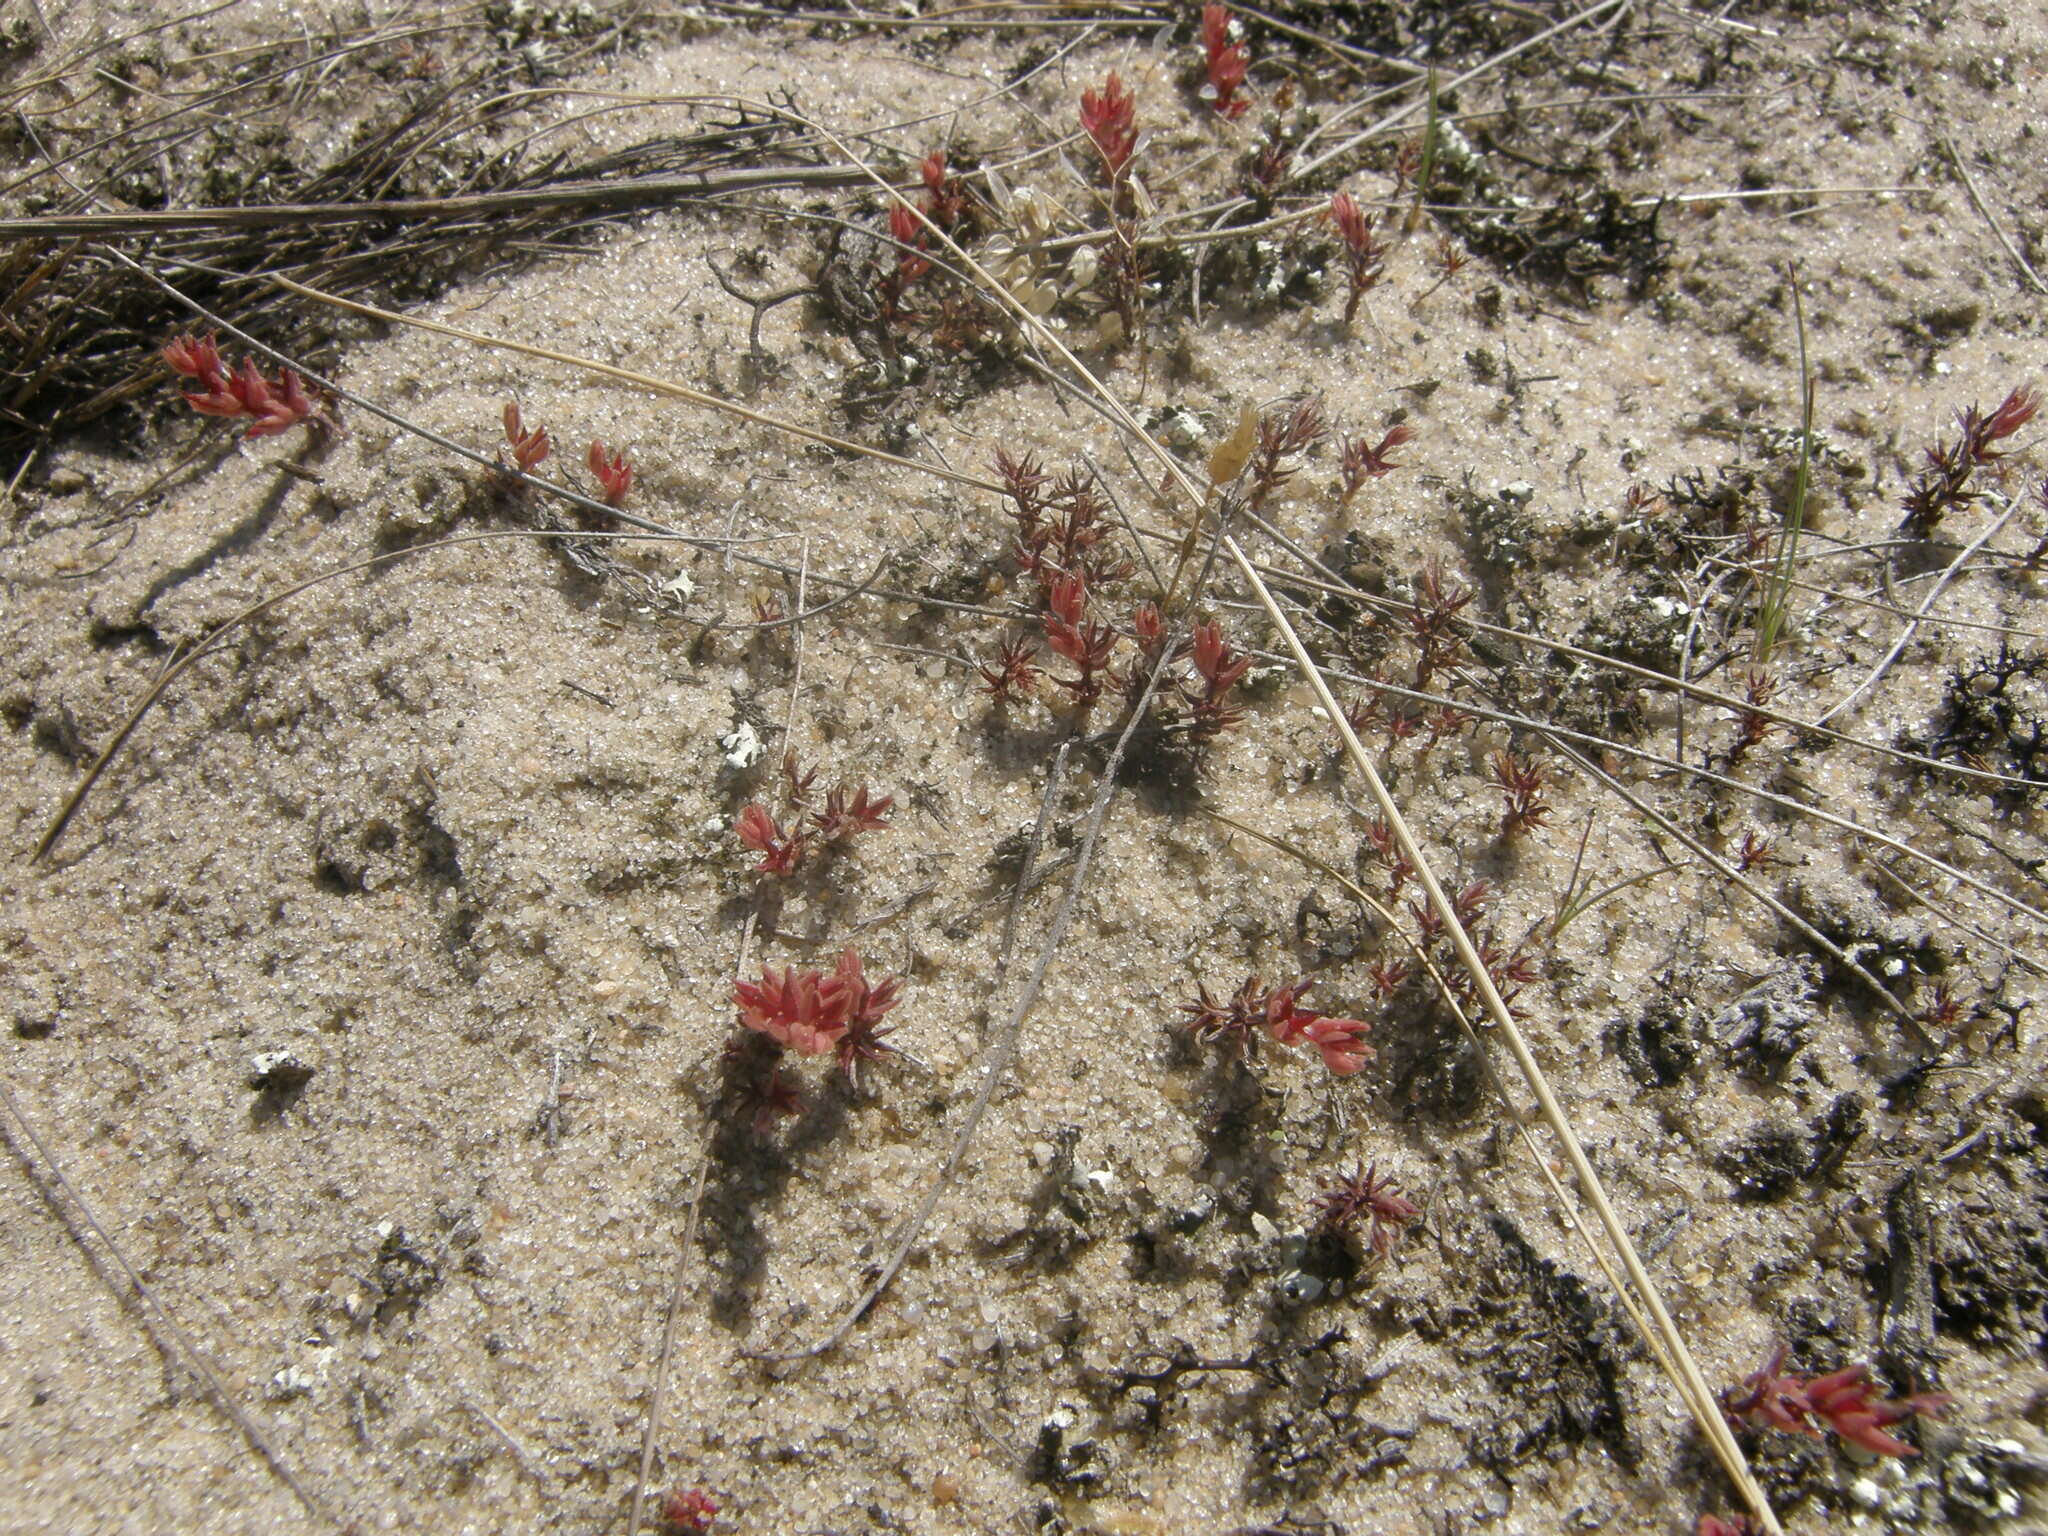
(456, 835)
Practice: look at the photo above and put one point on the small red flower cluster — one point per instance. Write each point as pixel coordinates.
(270, 407)
(1110, 121)
(1846, 1402)
(1340, 1042)
(1226, 62)
(812, 1013)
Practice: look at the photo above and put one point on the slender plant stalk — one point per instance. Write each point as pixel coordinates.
(1427, 168)
(652, 191)
(659, 1403)
(1777, 594)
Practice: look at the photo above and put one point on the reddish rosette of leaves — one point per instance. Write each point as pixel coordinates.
(1226, 62)
(1023, 482)
(1354, 224)
(1407, 165)
(270, 407)
(1520, 782)
(1449, 258)
(1219, 665)
(1060, 523)
(1755, 852)
(688, 1512)
(800, 1009)
(1850, 1404)
(1944, 486)
(1220, 669)
(1943, 1011)
(1072, 635)
(1340, 1042)
(1268, 169)
(1013, 676)
(945, 195)
(1232, 1021)
(797, 779)
(1432, 618)
(1471, 902)
(1444, 720)
(814, 1012)
(1384, 844)
(612, 471)
(1714, 1525)
(1109, 118)
(1509, 972)
(1284, 434)
(1368, 1197)
(1365, 257)
(194, 357)
(847, 816)
(780, 851)
(1845, 1402)
(907, 230)
(1359, 461)
(1148, 628)
(528, 447)
(865, 1006)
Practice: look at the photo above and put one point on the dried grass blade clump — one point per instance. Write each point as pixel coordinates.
(419, 196)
